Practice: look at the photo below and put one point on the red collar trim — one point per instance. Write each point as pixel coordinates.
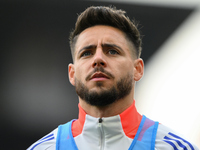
(130, 120)
(77, 125)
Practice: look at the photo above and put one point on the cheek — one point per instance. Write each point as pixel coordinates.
(125, 66)
(81, 73)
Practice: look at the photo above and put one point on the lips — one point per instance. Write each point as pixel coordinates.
(99, 76)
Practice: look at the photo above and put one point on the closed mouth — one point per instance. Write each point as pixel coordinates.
(99, 75)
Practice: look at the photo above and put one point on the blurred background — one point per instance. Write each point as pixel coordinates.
(36, 95)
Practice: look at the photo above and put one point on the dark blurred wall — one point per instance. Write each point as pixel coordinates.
(36, 95)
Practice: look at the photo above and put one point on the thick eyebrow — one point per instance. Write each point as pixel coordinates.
(87, 47)
(112, 45)
(103, 45)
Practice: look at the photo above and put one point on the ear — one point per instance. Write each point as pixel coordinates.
(71, 74)
(138, 69)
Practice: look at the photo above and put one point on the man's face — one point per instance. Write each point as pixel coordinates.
(103, 69)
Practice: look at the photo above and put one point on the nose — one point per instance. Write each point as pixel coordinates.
(99, 58)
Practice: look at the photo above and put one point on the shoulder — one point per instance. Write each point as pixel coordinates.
(47, 142)
(168, 139)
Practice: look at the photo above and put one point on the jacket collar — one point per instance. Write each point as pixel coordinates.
(129, 119)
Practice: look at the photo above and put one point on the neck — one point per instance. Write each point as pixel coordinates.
(110, 110)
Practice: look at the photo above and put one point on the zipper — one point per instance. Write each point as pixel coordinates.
(102, 138)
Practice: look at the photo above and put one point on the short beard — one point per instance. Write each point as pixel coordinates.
(105, 97)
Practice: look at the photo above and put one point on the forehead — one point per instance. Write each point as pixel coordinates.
(101, 34)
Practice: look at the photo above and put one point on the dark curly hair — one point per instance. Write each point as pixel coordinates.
(110, 16)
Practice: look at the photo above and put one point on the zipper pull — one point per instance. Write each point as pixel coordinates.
(100, 120)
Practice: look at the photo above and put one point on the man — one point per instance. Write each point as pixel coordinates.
(106, 48)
